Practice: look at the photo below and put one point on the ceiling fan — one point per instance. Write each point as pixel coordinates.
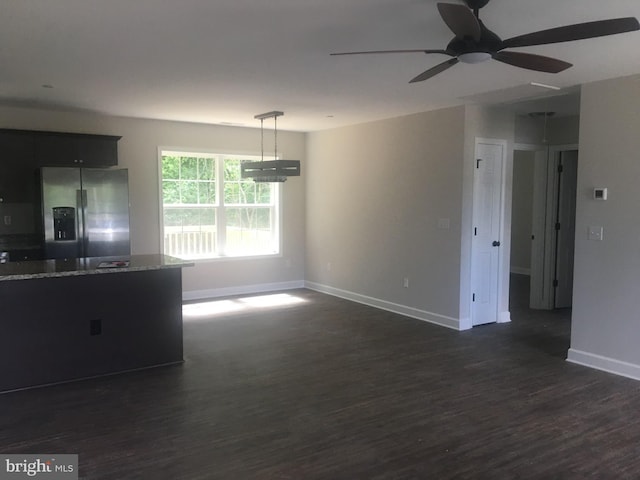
(475, 43)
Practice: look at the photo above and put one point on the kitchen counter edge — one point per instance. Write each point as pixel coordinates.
(86, 266)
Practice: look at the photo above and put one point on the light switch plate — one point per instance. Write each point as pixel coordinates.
(595, 233)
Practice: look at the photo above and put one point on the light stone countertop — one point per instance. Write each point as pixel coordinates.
(86, 266)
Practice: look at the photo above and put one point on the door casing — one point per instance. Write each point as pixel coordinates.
(498, 285)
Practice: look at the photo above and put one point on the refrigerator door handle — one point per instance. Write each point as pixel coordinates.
(85, 237)
(81, 201)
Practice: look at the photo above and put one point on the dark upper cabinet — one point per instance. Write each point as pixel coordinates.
(76, 150)
(17, 167)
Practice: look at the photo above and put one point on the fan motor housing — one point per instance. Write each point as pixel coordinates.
(476, 4)
(489, 42)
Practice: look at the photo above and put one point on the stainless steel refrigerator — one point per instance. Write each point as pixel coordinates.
(85, 212)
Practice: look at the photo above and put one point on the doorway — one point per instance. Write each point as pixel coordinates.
(543, 224)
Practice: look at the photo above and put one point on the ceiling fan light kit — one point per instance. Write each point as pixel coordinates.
(475, 43)
(474, 57)
(270, 171)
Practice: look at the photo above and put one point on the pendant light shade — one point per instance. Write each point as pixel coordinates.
(272, 170)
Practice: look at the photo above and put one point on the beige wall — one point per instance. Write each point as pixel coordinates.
(376, 216)
(138, 151)
(560, 131)
(375, 194)
(605, 328)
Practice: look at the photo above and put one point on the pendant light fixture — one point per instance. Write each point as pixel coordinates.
(272, 170)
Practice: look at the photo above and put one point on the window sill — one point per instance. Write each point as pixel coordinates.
(233, 258)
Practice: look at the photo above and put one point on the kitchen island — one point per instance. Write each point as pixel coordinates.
(64, 320)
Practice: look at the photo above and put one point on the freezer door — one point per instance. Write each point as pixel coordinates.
(61, 213)
(105, 196)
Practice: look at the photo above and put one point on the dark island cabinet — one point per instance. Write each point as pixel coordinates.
(58, 329)
(76, 150)
(17, 165)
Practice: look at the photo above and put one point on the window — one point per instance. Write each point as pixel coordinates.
(209, 211)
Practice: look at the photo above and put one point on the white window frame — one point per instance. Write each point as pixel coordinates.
(221, 250)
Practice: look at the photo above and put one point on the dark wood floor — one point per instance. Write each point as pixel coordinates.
(329, 389)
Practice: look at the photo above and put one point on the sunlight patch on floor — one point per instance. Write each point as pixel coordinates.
(221, 307)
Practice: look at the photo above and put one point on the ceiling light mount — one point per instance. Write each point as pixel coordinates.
(272, 170)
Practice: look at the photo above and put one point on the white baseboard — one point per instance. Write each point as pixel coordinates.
(504, 317)
(465, 324)
(241, 290)
(521, 271)
(605, 364)
(430, 317)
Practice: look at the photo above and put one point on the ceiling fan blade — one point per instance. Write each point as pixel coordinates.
(532, 62)
(393, 51)
(432, 72)
(460, 20)
(570, 33)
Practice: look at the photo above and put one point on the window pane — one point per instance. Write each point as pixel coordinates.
(192, 192)
(248, 192)
(189, 192)
(264, 193)
(188, 168)
(170, 167)
(249, 231)
(231, 169)
(170, 191)
(206, 169)
(207, 192)
(231, 192)
(190, 232)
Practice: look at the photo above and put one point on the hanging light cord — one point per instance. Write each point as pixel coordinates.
(275, 138)
(262, 139)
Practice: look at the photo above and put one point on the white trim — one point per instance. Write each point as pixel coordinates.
(241, 290)
(564, 148)
(430, 317)
(504, 317)
(465, 324)
(220, 207)
(503, 259)
(160, 200)
(606, 364)
(530, 147)
(521, 271)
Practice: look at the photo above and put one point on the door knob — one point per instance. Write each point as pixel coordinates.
(496, 243)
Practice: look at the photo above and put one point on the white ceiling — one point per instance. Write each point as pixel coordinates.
(217, 61)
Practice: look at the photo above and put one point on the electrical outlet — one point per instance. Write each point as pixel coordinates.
(444, 223)
(7, 220)
(406, 282)
(596, 233)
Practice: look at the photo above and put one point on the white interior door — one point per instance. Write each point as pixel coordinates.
(541, 287)
(566, 230)
(487, 235)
